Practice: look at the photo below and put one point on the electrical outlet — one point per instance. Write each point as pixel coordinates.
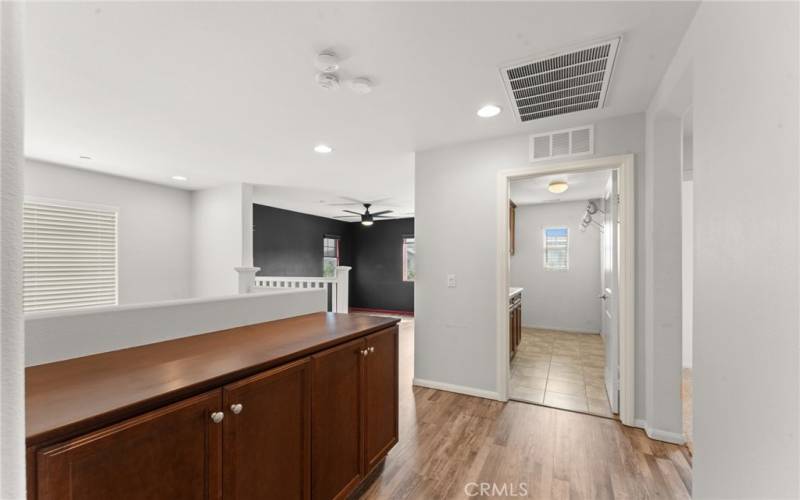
(451, 281)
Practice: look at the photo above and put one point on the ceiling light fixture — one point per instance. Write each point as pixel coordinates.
(327, 62)
(489, 111)
(84, 157)
(367, 222)
(179, 178)
(360, 85)
(323, 149)
(558, 187)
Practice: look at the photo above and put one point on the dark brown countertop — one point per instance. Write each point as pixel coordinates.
(67, 398)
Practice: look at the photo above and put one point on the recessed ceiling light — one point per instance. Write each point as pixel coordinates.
(489, 111)
(558, 187)
(84, 157)
(323, 148)
(179, 178)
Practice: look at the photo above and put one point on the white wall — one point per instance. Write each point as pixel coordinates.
(57, 335)
(222, 238)
(744, 63)
(455, 229)
(12, 339)
(155, 226)
(687, 271)
(557, 300)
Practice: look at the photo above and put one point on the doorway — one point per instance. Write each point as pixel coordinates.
(585, 360)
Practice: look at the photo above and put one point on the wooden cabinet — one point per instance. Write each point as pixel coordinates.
(267, 431)
(172, 452)
(380, 396)
(311, 427)
(354, 412)
(337, 423)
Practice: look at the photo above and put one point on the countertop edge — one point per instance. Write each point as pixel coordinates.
(67, 431)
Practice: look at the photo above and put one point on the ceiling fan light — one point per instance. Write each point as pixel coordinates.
(366, 222)
(558, 187)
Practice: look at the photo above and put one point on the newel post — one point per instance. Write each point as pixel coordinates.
(343, 289)
(247, 278)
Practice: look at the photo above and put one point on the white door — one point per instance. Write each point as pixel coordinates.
(608, 294)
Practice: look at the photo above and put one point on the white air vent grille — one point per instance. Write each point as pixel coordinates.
(559, 84)
(561, 143)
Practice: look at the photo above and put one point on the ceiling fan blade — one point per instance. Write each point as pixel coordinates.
(377, 202)
(349, 204)
(346, 216)
(381, 213)
(351, 200)
(351, 212)
(384, 216)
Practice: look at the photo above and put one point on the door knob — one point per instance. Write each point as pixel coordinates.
(237, 408)
(217, 417)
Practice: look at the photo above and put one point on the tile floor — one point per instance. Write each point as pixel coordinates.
(562, 370)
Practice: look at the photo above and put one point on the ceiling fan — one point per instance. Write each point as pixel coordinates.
(367, 218)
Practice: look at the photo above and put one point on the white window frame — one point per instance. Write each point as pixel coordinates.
(83, 206)
(413, 239)
(544, 250)
(336, 259)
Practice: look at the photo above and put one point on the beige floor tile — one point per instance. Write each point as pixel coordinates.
(566, 387)
(600, 407)
(530, 395)
(559, 400)
(528, 382)
(596, 392)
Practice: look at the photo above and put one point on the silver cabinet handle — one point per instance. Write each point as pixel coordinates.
(371, 349)
(217, 417)
(237, 408)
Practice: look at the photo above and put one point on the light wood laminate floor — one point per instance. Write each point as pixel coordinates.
(449, 441)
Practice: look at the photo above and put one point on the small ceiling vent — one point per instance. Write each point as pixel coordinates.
(561, 83)
(561, 143)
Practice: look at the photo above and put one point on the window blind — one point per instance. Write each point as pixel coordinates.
(556, 249)
(70, 256)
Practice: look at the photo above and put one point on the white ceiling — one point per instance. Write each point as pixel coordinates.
(225, 92)
(582, 186)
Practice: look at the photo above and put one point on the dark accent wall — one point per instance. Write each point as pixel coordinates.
(287, 243)
(376, 281)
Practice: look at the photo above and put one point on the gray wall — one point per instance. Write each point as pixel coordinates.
(558, 300)
(747, 295)
(155, 226)
(456, 233)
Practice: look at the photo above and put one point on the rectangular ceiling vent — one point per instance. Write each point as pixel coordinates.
(561, 83)
(561, 143)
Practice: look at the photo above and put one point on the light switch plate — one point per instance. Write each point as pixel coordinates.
(451, 281)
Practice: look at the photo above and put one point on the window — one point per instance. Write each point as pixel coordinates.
(330, 256)
(70, 256)
(409, 259)
(556, 249)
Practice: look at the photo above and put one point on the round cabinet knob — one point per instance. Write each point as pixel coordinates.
(237, 408)
(371, 349)
(364, 352)
(217, 416)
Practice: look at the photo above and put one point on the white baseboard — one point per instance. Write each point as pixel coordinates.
(460, 389)
(560, 329)
(659, 435)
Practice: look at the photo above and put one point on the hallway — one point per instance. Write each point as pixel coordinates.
(449, 441)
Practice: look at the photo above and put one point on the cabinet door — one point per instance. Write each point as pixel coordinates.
(267, 435)
(380, 396)
(172, 452)
(336, 425)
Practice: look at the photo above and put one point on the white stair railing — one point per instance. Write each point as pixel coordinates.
(337, 286)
